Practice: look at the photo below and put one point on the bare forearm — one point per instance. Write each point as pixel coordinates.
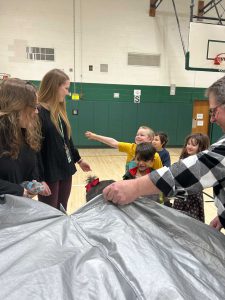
(126, 191)
(145, 186)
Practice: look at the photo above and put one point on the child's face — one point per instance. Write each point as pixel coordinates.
(142, 136)
(192, 147)
(157, 143)
(143, 165)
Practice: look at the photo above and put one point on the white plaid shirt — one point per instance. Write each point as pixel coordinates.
(195, 173)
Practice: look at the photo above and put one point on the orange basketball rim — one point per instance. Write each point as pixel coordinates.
(219, 58)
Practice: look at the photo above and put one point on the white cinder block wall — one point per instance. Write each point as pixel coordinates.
(46, 24)
(94, 32)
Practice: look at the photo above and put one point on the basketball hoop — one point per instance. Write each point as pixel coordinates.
(219, 59)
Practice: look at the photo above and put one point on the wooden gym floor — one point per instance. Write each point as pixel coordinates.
(110, 164)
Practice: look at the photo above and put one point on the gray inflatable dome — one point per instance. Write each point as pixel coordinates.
(139, 251)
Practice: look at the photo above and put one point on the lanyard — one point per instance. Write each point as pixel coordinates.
(68, 155)
(61, 128)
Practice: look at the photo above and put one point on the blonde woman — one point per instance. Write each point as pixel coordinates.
(58, 155)
(20, 137)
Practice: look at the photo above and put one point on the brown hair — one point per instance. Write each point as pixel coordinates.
(200, 139)
(17, 97)
(48, 97)
(163, 138)
(145, 152)
(96, 189)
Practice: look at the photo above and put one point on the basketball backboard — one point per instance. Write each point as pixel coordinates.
(206, 42)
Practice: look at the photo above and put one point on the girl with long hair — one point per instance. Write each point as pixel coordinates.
(58, 155)
(193, 205)
(20, 137)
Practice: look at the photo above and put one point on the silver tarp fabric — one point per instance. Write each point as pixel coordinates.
(139, 251)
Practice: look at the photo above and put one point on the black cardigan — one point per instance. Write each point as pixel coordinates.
(52, 160)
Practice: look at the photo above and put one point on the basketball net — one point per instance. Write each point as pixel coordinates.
(219, 59)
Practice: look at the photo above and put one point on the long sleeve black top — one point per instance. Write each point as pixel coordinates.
(52, 159)
(14, 171)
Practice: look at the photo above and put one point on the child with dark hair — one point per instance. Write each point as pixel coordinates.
(144, 157)
(194, 143)
(193, 205)
(95, 187)
(159, 142)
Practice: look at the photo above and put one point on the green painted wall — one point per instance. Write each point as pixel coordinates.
(120, 118)
(215, 133)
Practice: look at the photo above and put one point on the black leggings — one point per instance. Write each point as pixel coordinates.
(60, 193)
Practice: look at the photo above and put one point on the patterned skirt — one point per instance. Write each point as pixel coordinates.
(193, 206)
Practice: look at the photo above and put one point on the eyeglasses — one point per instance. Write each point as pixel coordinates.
(213, 111)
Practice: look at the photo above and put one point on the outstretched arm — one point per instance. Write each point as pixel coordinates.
(103, 139)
